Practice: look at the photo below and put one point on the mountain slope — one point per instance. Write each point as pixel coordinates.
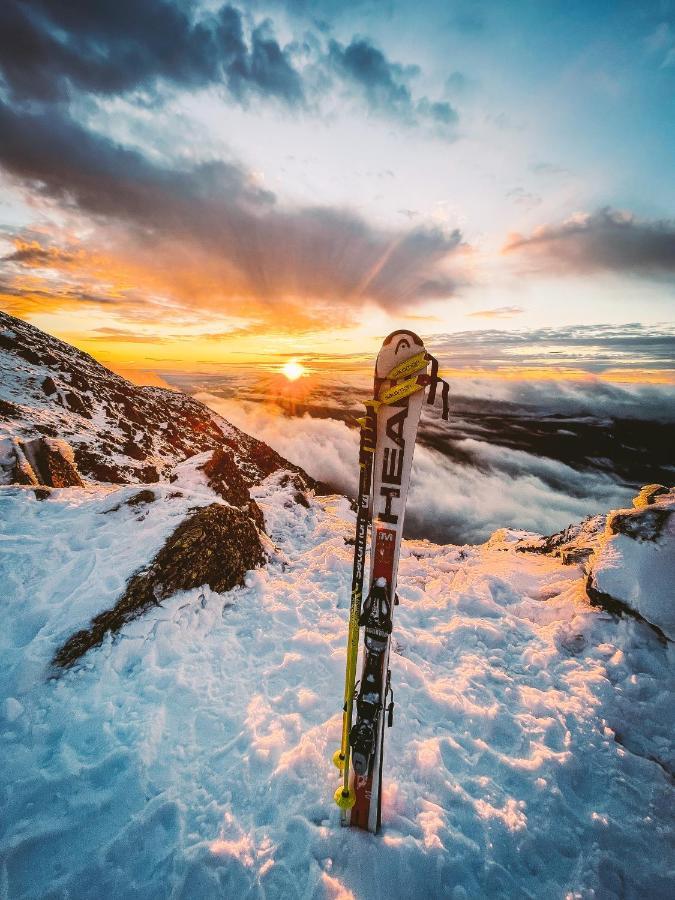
(186, 751)
(119, 432)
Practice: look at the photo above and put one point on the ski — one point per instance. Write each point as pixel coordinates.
(344, 795)
(400, 382)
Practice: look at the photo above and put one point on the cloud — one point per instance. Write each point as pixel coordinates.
(548, 168)
(32, 253)
(49, 48)
(462, 498)
(499, 312)
(50, 51)
(606, 240)
(521, 197)
(212, 233)
(383, 84)
(452, 502)
(589, 348)
(326, 448)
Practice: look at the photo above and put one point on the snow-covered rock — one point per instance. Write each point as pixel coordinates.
(215, 546)
(634, 563)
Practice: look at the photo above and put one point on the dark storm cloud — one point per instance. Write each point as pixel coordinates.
(52, 50)
(214, 208)
(384, 83)
(48, 47)
(607, 240)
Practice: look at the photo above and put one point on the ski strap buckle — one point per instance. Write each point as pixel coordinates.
(414, 379)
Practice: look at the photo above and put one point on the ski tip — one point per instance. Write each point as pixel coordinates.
(345, 797)
(339, 760)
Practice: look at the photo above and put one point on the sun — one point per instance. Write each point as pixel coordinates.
(293, 370)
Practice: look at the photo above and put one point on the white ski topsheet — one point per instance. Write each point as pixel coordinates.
(396, 435)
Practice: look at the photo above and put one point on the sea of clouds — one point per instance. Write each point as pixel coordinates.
(490, 466)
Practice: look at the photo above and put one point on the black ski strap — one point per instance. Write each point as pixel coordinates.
(431, 396)
(434, 381)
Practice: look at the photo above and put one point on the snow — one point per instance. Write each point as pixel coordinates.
(191, 756)
(638, 568)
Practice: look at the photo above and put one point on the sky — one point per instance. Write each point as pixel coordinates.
(200, 187)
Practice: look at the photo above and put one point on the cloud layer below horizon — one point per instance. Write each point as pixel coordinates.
(492, 465)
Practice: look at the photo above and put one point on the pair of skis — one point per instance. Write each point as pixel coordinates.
(388, 434)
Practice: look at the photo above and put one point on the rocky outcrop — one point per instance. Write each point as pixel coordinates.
(214, 546)
(632, 567)
(224, 477)
(627, 557)
(572, 545)
(42, 461)
(53, 462)
(649, 494)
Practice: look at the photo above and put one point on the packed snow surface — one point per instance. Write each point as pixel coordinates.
(531, 753)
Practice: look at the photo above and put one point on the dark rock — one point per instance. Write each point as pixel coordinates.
(99, 467)
(47, 430)
(216, 545)
(75, 404)
(49, 386)
(9, 410)
(50, 463)
(257, 515)
(132, 449)
(225, 478)
(575, 555)
(145, 496)
(42, 493)
(149, 475)
(29, 355)
(645, 524)
(296, 480)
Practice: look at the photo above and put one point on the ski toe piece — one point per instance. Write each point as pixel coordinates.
(345, 799)
(339, 760)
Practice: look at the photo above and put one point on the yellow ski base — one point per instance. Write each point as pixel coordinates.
(345, 799)
(339, 760)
